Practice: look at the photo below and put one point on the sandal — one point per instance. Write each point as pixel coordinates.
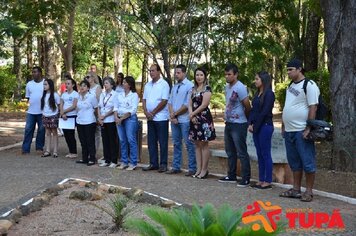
(46, 154)
(307, 197)
(291, 193)
(55, 155)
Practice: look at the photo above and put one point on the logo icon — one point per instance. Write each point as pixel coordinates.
(254, 214)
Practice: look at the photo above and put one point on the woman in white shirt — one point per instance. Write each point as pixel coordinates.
(107, 123)
(68, 107)
(127, 122)
(49, 105)
(86, 123)
(96, 90)
(119, 87)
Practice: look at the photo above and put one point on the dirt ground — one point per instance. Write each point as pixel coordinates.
(343, 183)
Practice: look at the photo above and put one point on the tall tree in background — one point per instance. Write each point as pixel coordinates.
(340, 17)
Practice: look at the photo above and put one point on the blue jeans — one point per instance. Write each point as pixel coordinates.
(128, 137)
(263, 143)
(235, 147)
(31, 121)
(300, 152)
(181, 131)
(157, 131)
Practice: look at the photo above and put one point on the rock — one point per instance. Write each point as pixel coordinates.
(92, 185)
(36, 204)
(96, 197)
(104, 187)
(25, 210)
(15, 216)
(3, 231)
(134, 193)
(64, 186)
(113, 189)
(80, 195)
(5, 224)
(53, 191)
(149, 199)
(168, 203)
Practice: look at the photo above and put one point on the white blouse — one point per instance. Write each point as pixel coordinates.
(106, 104)
(126, 103)
(47, 110)
(85, 109)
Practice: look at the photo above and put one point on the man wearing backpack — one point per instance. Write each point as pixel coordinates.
(299, 107)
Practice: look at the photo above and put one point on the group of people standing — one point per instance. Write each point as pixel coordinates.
(186, 106)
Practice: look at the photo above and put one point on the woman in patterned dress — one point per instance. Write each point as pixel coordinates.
(201, 129)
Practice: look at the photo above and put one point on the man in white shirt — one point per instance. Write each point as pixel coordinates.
(155, 98)
(299, 107)
(34, 92)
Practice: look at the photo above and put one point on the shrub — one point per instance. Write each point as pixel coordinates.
(280, 93)
(204, 220)
(7, 83)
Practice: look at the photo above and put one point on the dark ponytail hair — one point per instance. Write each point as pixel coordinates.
(51, 100)
(266, 80)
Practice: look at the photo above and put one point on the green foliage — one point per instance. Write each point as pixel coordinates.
(7, 83)
(118, 209)
(204, 220)
(280, 93)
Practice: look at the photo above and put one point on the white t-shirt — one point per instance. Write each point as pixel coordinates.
(85, 109)
(34, 92)
(93, 90)
(235, 110)
(296, 108)
(47, 110)
(119, 89)
(154, 93)
(126, 103)
(68, 100)
(106, 104)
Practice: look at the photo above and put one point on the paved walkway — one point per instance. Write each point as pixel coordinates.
(22, 177)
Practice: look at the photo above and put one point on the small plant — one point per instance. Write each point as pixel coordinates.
(118, 209)
(204, 220)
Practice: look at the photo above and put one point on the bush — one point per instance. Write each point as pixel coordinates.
(280, 93)
(204, 220)
(7, 83)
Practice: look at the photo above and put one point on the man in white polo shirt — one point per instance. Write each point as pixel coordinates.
(34, 92)
(155, 98)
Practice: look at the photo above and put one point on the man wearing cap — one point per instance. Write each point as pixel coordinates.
(299, 107)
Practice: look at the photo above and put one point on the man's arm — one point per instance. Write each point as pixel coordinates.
(311, 116)
(246, 104)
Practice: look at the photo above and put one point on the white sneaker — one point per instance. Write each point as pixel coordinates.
(101, 160)
(104, 164)
(73, 155)
(123, 167)
(68, 155)
(131, 167)
(112, 165)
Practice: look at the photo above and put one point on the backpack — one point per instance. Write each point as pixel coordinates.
(322, 109)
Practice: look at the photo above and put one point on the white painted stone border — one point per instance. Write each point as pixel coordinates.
(88, 181)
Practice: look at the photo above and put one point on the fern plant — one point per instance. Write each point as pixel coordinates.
(204, 220)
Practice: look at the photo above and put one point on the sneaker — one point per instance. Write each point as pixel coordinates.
(102, 160)
(113, 165)
(227, 179)
(123, 167)
(103, 164)
(131, 167)
(68, 155)
(243, 183)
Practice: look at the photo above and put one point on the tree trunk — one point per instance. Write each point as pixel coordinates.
(17, 68)
(311, 41)
(29, 55)
(105, 57)
(41, 51)
(166, 66)
(339, 17)
(118, 59)
(144, 73)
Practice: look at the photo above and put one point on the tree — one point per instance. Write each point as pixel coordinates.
(339, 19)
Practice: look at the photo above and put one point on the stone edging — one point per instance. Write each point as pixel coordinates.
(36, 203)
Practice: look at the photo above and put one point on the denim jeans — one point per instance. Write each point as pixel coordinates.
(235, 147)
(300, 152)
(181, 131)
(263, 142)
(127, 132)
(31, 121)
(157, 132)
